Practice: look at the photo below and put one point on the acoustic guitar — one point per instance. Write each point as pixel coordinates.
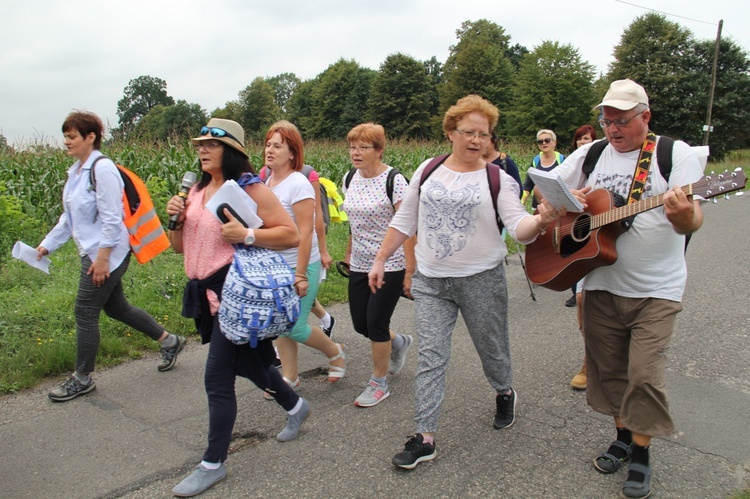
(577, 243)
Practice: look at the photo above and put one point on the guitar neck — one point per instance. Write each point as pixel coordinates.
(632, 209)
(708, 187)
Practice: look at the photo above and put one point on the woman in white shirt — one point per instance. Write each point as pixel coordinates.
(284, 156)
(370, 210)
(94, 219)
(460, 253)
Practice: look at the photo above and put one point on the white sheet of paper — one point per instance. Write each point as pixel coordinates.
(26, 253)
(554, 190)
(233, 195)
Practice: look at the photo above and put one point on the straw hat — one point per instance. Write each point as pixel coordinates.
(226, 131)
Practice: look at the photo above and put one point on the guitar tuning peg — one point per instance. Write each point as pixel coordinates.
(740, 193)
(714, 200)
(726, 196)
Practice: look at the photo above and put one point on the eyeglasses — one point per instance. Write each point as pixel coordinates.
(208, 145)
(619, 122)
(471, 134)
(544, 141)
(360, 148)
(217, 132)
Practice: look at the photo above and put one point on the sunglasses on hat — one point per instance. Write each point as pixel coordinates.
(217, 132)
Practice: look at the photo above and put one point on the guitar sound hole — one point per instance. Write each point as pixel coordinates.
(578, 236)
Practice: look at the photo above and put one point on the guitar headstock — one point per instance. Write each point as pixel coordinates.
(719, 184)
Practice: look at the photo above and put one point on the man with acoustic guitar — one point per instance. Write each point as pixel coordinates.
(629, 307)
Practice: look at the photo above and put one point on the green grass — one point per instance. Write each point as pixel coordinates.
(37, 327)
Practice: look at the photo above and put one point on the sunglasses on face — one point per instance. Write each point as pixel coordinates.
(544, 141)
(217, 132)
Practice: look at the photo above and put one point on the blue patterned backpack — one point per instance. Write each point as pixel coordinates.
(258, 300)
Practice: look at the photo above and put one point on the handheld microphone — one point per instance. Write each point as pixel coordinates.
(187, 182)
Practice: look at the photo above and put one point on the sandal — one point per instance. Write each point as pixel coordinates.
(634, 488)
(607, 462)
(335, 373)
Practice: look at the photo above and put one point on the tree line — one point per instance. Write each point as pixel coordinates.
(550, 86)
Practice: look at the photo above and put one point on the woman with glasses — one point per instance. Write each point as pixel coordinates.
(370, 211)
(207, 246)
(93, 218)
(546, 160)
(459, 254)
(284, 157)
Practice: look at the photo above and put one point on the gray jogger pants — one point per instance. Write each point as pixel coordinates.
(482, 300)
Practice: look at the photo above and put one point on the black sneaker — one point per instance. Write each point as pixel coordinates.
(571, 302)
(414, 453)
(70, 389)
(506, 410)
(328, 330)
(169, 355)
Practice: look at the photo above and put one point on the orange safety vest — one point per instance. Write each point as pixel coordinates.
(147, 236)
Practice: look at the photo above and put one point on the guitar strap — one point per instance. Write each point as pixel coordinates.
(642, 168)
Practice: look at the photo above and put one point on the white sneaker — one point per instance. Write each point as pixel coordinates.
(373, 395)
(399, 358)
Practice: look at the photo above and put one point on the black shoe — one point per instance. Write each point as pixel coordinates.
(506, 410)
(414, 453)
(328, 330)
(571, 302)
(70, 389)
(169, 355)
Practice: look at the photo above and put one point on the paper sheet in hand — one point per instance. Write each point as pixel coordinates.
(554, 190)
(27, 254)
(236, 197)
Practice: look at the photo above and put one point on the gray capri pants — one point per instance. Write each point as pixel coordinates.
(482, 300)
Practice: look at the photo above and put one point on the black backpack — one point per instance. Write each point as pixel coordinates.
(663, 156)
(388, 181)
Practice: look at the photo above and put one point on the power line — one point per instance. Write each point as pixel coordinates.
(666, 13)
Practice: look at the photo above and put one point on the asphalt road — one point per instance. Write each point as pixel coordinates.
(142, 431)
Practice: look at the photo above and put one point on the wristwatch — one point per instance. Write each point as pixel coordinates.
(250, 237)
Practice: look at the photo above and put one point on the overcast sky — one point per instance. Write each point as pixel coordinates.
(59, 55)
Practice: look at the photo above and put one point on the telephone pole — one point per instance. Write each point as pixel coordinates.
(707, 126)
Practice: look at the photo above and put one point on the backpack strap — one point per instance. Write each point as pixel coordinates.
(389, 181)
(493, 178)
(431, 167)
(592, 156)
(348, 177)
(664, 155)
(92, 177)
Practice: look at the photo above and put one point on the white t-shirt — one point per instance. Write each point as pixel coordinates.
(651, 261)
(458, 234)
(291, 190)
(370, 212)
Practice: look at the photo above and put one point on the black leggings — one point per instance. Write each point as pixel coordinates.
(371, 313)
(225, 362)
(110, 297)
